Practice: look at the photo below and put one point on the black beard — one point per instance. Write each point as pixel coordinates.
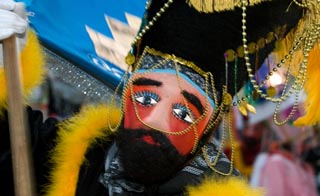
(146, 163)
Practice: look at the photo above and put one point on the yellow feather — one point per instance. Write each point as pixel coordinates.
(283, 47)
(224, 187)
(32, 68)
(74, 138)
(312, 102)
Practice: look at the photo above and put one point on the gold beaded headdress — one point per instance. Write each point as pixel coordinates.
(232, 39)
(223, 40)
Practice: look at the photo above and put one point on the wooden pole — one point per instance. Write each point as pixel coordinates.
(19, 133)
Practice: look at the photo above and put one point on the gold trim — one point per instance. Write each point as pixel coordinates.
(211, 6)
(174, 58)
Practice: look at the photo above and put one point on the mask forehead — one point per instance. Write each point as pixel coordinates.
(158, 62)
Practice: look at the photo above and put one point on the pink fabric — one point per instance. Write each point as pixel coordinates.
(284, 177)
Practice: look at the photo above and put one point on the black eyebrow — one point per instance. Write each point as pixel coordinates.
(146, 82)
(194, 100)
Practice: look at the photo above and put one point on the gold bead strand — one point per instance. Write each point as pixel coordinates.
(130, 58)
(193, 124)
(246, 52)
(292, 112)
(296, 102)
(112, 101)
(231, 141)
(209, 77)
(299, 4)
(151, 22)
(227, 123)
(295, 87)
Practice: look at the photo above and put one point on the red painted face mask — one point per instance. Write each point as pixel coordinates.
(170, 104)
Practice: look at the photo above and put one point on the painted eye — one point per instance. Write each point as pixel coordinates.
(181, 112)
(146, 98)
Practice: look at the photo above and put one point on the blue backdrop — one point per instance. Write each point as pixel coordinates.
(62, 26)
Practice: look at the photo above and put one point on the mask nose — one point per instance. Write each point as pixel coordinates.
(159, 117)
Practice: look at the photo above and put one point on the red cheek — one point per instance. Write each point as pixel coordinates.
(130, 118)
(184, 143)
(177, 125)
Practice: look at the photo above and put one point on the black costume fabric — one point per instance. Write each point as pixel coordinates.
(42, 134)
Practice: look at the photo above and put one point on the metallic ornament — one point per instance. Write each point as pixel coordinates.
(271, 91)
(227, 99)
(130, 59)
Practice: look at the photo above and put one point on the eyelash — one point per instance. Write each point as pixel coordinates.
(146, 98)
(188, 115)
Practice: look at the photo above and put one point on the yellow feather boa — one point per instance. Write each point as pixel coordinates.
(228, 186)
(32, 68)
(75, 136)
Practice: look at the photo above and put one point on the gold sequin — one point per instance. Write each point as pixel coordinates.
(240, 51)
(271, 91)
(130, 59)
(252, 47)
(227, 99)
(230, 55)
(261, 43)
